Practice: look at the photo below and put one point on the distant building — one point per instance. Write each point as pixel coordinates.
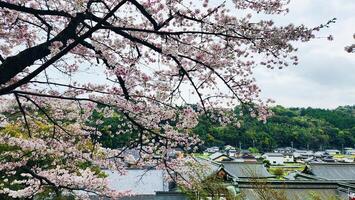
(349, 151)
(228, 147)
(302, 154)
(300, 190)
(344, 172)
(139, 181)
(288, 157)
(347, 160)
(328, 159)
(175, 153)
(244, 170)
(232, 152)
(212, 149)
(218, 156)
(309, 159)
(319, 154)
(285, 150)
(274, 158)
(332, 151)
(248, 158)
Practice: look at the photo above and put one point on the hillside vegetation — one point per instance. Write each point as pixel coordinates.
(304, 127)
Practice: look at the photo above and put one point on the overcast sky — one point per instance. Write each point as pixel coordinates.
(325, 77)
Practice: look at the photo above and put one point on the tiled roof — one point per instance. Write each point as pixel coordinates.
(294, 194)
(246, 170)
(138, 181)
(217, 155)
(273, 154)
(333, 171)
(294, 190)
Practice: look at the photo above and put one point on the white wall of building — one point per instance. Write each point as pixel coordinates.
(274, 158)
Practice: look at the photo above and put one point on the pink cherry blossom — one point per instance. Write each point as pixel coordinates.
(160, 64)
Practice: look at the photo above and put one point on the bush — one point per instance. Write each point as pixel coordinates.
(278, 172)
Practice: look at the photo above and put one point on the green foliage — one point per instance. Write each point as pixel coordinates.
(213, 188)
(316, 196)
(109, 129)
(16, 180)
(253, 150)
(267, 163)
(316, 128)
(278, 172)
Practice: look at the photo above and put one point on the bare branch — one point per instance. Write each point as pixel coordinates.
(23, 114)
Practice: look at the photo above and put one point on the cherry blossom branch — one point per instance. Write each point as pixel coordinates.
(23, 114)
(42, 178)
(52, 60)
(42, 110)
(145, 13)
(33, 11)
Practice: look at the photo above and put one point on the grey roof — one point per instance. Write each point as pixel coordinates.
(246, 170)
(293, 190)
(138, 181)
(217, 155)
(290, 194)
(333, 171)
(139, 197)
(209, 164)
(204, 168)
(157, 196)
(274, 154)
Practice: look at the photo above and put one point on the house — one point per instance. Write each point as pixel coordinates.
(328, 159)
(143, 184)
(309, 159)
(232, 152)
(303, 154)
(212, 149)
(218, 156)
(239, 170)
(344, 172)
(284, 150)
(175, 153)
(319, 154)
(288, 157)
(139, 181)
(248, 158)
(274, 158)
(298, 190)
(349, 151)
(332, 151)
(228, 147)
(347, 160)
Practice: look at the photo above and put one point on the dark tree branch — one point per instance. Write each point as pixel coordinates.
(145, 13)
(69, 86)
(32, 10)
(120, 79)
(44, 112)
(49, 27)
(52, 60)
(23, 114)
(13, 65)
(42, 178)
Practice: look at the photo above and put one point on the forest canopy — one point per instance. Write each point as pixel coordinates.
(316, 128)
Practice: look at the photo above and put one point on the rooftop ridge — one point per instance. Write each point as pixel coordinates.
(325, 163)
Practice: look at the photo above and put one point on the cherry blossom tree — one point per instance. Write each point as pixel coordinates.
(153, 55)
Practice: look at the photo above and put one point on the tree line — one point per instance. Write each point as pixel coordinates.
(304, 128)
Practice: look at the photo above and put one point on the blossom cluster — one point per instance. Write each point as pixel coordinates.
(160, 65)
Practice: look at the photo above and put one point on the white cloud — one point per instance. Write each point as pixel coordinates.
(325, 76)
